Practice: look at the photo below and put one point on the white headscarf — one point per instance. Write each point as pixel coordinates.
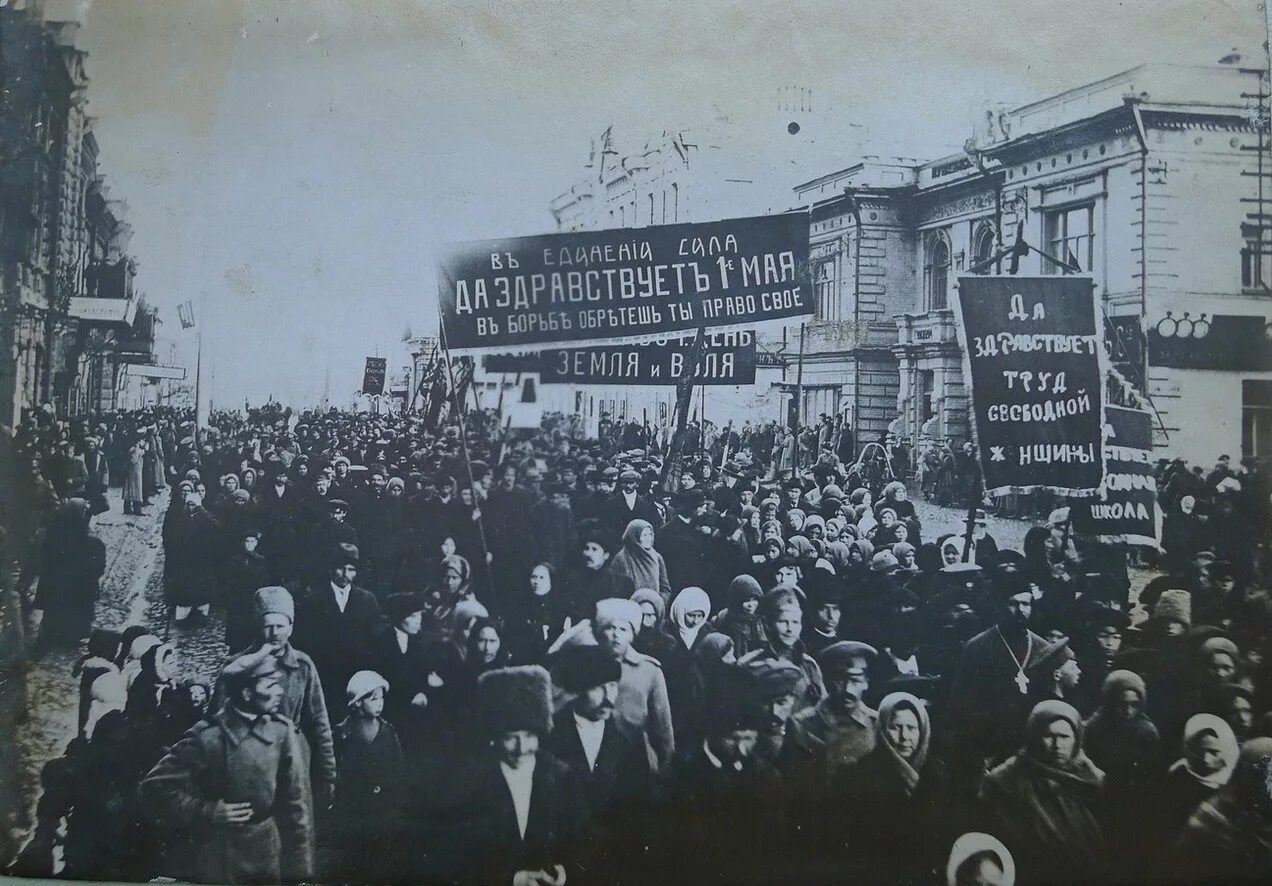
(1197, 724)
(687, 601)
(970, 844)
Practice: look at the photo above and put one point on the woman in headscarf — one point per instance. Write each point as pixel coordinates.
(652, 637)
(712, 659)
(158, 710)
(72, 564)
(800, 548)
(101, 685)
(687, 627)
(1122, 740)
(740, 621)
(1229, 838)
(1046, 800)
(638, 560)
(898, 823)
(978, 859)
(814, 528)
(1210, 755)
(751, 528)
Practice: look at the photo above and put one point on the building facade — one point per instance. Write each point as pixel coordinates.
(1154, 182)
(66, 282)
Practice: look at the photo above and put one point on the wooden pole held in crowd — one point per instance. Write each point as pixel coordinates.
(670, 480)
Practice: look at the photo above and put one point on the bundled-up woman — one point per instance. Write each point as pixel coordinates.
(1045, 801)
(652, 637)
(1229, 838)
(1210, 755)
(898, 823)
(687, 627)
(1122, 740)
(638, 559)
(741, 621)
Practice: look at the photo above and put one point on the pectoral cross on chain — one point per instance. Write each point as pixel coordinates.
(1023, 682)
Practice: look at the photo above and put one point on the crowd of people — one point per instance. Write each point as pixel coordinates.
(512, 657)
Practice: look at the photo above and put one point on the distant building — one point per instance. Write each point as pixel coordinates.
(1154, 181)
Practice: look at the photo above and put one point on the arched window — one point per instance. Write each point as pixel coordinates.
(983, 244)
(936, 271)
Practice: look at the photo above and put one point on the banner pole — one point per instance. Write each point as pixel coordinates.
(671, 471)
(973, 503)
(468, 464)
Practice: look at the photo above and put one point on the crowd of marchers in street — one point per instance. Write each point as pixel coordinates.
(511, 657)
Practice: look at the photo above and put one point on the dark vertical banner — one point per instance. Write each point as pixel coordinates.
(373, 375)
(624, 285)
(1126, 509)
(1034, 363)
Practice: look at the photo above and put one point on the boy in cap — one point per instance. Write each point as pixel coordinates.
(238, 780)
(371, 777)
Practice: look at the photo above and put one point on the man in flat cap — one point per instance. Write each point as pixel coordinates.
(642, 689)
(681, 545)
(627, 504)
(238, 781)
(606, 753)
(515, 810)
(336, 622)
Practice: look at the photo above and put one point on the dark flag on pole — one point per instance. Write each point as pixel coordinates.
(373, 375)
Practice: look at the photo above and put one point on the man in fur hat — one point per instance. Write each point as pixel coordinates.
(641, 701)
(515, 809)
(609, 757)
(238, 780)
(303, 702)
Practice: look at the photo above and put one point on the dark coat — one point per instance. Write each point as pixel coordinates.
(616, 514)
(684, 550)
(340, 643)
(227, 757)
(366, 813)
(192, 557)
(621, 774)
(484, 844)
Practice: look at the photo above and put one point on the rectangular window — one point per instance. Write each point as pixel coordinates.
(1069, 235)
(927, 383)
(824, 294)
(1256, 257)
(1256, 419)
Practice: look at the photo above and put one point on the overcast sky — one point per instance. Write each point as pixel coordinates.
(293, 165)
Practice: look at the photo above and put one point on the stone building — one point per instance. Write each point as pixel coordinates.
(65, 281)
(1152, 181)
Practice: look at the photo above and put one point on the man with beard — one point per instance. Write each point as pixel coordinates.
(781, 741)
(554, 523)
(990, 695)
(239, 781)
(335, 624)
